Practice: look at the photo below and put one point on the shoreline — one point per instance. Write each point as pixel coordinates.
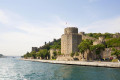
(80, 63)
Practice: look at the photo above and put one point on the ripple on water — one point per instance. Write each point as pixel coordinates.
(15, 69)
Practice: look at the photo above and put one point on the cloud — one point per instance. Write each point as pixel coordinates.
(109, 25)
(28, 34)
(3, 17)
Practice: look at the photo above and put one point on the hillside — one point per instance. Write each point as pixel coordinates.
(1, 55)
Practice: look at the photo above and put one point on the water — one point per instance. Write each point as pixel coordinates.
(15, 69)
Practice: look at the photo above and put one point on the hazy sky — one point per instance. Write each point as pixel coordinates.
(27, 23)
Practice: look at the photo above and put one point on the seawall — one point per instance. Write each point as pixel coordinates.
(82, 63)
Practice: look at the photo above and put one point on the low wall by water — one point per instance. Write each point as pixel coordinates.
(84, 63)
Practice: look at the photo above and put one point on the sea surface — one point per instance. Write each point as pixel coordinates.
(16, 69)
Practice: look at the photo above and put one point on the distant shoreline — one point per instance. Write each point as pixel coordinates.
(81, 63)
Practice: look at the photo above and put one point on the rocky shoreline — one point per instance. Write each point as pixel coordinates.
(81, 63)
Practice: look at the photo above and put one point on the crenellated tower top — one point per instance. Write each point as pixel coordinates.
(70, 30)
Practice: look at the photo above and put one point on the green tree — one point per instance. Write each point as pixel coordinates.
(56, 44)
(76, 54)
(43, 53)
(38, 54)
(97, 48)
(27, 55)
(115, 52)
(33, 54)
(84, 45)
(72, 54)
(55, 54)
(114, 42)
(97, 35)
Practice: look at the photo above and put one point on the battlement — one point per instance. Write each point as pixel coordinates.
(82, 33)
(70, 30)
(72, 27)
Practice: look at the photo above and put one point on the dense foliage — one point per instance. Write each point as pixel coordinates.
(84, 45)
(97, 48)
(72, 54)
(43, 53)
(97, 35)
(114, 42)
(56, 44)
(27, 55)
(115, 52)
(87, 45)
(55, 55)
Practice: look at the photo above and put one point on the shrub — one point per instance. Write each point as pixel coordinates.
(72, 54)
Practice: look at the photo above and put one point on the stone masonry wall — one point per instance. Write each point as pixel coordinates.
(53, 50)
(34, 49)
(107, 52)
(70, 40)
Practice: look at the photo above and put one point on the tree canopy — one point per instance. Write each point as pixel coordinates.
(97, 35)
(84, 45)
(114, 42)
(56, 45)
(97, 48)
(115, 52)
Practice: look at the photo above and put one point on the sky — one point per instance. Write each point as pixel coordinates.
(31, 23)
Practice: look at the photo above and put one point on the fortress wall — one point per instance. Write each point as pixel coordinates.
(34, 49)
(76, 39)
(86, 37)
(91, 55)
(52, 51)
(107, 52)
(66, 43)
(97, 42)
(79, 39)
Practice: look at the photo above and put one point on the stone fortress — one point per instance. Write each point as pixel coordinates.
(69, 44)
(70, 41)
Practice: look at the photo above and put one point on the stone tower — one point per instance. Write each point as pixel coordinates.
(70, 40)
(34, 49)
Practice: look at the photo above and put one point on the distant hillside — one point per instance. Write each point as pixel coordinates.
(1, 55)
(105, 35)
